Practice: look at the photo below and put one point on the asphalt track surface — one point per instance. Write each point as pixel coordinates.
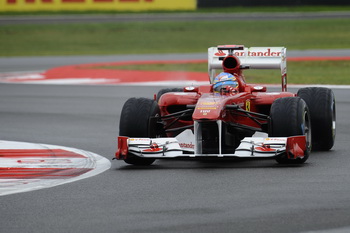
(171, 195)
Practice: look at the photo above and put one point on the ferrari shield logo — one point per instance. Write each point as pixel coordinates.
(247, 105)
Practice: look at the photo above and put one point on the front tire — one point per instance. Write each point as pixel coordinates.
(290, 117)
(321, 103)
(135, 122)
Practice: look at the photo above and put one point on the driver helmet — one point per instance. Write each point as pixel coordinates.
(223, 80)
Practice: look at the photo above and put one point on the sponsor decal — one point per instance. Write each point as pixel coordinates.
(264, 53)
(276, 139)
(207, 103)
(154, 147)
(264, 149)
(152, 150)
(61, 1)
(205, 112)
(205, 108)
(187, 145)
(139, 139)
(121, 5)
(134, 0)
(220, 53)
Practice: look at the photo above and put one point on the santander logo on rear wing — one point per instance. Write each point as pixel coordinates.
(251, 58)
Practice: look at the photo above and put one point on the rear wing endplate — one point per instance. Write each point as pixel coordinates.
(252, 58)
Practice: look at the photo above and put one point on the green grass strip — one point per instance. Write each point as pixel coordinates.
(170, 37)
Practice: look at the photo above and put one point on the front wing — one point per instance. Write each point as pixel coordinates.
(250, 147)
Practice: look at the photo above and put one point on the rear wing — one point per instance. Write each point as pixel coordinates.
(250, 58)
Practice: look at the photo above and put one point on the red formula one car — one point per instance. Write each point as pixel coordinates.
(228, 117)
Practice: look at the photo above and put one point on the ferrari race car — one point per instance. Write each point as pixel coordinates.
(245, 121)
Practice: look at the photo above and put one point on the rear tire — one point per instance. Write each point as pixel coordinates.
(166, 90)
(290, 117)
(135, 122)
(321, 103)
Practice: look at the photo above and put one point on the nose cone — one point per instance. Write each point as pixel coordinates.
(208, 108)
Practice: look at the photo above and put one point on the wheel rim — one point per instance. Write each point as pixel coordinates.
(307, 130)
(333, 119)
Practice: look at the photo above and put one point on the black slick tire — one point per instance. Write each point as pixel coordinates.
(166, 90)
(135, 122)
(321, 103)
(290, 117)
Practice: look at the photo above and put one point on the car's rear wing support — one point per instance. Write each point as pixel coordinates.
(252, 58)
